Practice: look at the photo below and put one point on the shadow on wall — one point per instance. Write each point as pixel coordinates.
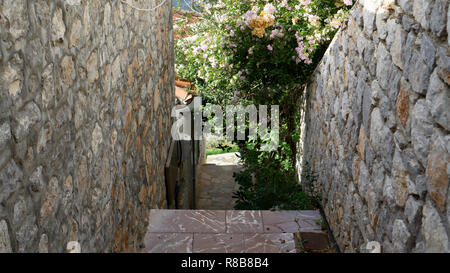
(377, 127)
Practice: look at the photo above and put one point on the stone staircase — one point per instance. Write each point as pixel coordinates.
(234, 231)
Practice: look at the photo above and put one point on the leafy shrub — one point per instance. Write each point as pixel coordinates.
(261, 52)
(256, 50)
(268, 184)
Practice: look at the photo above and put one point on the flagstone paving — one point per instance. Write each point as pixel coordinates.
(229, 231)
(216, 228)
(216, 183)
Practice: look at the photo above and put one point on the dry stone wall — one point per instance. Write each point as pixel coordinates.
(86, 90)
(377, 127)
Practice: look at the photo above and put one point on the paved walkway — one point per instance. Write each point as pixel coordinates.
(230, 231)
(216, 183)
(216, 228)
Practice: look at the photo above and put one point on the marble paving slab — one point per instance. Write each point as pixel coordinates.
(168, 243)
(269, 243)
(290, 221)
(187, 221)
(230, 231)
(244, 221)
(218, 243)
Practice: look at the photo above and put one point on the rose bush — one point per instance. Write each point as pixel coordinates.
(261, 52)
(256, 47)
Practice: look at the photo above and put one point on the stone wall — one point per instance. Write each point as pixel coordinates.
(85, 99)
(377, 127)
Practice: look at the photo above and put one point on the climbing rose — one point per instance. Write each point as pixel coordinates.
(260, 23)
(276, 33)
(336, 23)
(305, 2)
(249, 15)
(314, 20)
(269, 8)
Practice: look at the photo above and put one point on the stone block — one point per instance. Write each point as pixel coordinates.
(435, 235)
(436, 171)
(58, 29)
(421, 130)
(400, 235)
(438, 17)
(418, 73)
(5, 242)
(421, 12)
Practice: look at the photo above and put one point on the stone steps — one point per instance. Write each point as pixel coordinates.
(230, 231)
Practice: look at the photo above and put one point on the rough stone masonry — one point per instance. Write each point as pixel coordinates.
(377, 127)
(86, 89)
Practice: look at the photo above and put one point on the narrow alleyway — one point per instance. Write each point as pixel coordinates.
(216, 183)
(228, 231)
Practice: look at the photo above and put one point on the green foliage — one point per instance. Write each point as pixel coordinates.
(225, 148)
(222, 150)
(268, 184)
(223, 54)
(309, 179)
(261, 52)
